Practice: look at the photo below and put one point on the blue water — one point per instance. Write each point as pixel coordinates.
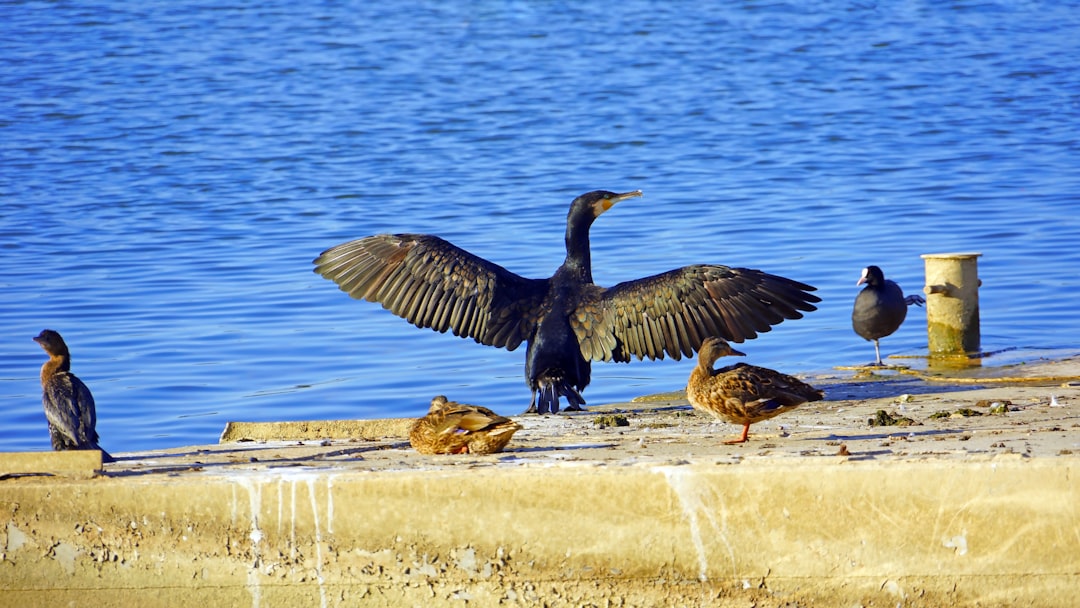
(168, 170)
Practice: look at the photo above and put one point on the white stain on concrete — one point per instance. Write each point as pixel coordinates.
(65, 554)
(466, 560)
(329, 504)
(254, 491)
(958, 543)
(318, 542)
(16, 538)
(694, 498)
(893, 588)
(292, 520)
(280, 505)
(287, 511)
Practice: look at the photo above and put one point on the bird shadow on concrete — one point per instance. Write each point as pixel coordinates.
(905, 431)
(886, 388)
(210, 459)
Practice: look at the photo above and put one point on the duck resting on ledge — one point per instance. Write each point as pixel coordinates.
(453, 428)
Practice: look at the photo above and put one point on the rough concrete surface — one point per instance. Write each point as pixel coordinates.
(632, 504)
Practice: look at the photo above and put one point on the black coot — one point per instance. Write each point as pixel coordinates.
(880, 308)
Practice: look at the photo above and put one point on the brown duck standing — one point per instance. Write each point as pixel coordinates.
(69, 406)
(743, 394)
(455, 428)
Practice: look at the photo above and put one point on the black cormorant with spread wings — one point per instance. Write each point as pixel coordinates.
(566, 321)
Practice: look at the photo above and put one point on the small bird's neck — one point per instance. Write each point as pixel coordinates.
(706, 363)
(55, 365)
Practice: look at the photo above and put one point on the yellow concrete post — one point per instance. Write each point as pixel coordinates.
(952, 303)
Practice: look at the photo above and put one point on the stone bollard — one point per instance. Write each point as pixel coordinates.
(952, 303)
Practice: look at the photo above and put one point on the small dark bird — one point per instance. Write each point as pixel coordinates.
(454, 428)
(743, 394)
(567, 320)
(880, 308)
(69, 406)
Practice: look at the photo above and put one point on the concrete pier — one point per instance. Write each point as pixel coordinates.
(952, 508)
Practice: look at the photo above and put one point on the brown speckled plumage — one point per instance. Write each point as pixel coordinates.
(454, 428)
(567, 321)
(743, 394)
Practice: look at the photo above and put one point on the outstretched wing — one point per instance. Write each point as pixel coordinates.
(671, 313)
(433, 283)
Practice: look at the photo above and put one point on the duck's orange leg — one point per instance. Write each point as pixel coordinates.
(745, 434)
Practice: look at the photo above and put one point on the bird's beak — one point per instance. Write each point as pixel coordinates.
(608, 203)
(862, 278)
(737, 353)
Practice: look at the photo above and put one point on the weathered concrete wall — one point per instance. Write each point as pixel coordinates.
(1002, 530)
